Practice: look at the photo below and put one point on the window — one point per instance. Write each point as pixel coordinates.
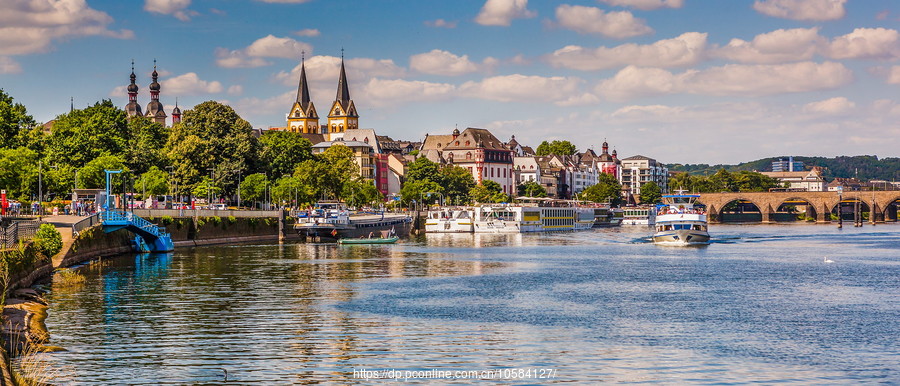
(467, 143)
(469, 155)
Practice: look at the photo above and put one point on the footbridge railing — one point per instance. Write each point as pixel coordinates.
(149, 235)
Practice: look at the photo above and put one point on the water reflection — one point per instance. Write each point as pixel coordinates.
(595, 305)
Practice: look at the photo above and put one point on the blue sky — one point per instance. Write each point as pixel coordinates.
(688, 81)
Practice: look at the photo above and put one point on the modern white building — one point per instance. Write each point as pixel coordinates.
(639, 170)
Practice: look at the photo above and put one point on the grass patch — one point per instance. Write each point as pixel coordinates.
(66, 277)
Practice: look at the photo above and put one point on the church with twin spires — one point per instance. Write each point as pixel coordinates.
(342, 115)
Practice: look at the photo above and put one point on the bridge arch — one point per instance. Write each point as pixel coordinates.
(794, 209)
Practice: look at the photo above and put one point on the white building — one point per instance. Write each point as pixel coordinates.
(639, 170)
(810, 180)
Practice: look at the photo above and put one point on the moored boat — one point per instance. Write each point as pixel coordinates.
(331, 222)
(535, 215)
(680, 221)
(450, 220)
(639, 215)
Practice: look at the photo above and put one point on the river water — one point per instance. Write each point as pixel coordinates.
(759, 304)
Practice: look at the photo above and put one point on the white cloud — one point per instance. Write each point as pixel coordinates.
(190, 84)
(522, 88)
(778, 46)
(440, 23)
(30, 26)
(9, 66)
(236, 90)
(266, 47)
(646, 5)
(812, 10)
(177, 8)
(684, 50)
(832, 106)
(502, 12)
(732, 79)
(866, 43)
(309, 32)
(390, 92)
(894, 75)
(590, 20)
(275, 47)
(237, 59)
(439, 62)
(585, 99)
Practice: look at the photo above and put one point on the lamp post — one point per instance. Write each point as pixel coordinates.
(171, 170)
(239, 189)
(40, 191)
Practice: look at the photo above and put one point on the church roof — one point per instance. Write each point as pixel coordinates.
(343, 90)
(437, 142)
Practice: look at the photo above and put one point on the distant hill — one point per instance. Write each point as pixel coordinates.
(868, 167)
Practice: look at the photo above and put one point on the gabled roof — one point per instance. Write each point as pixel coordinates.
(363, 135)
(638, 158)
(476, 138)
(314, 138)
(436, 142)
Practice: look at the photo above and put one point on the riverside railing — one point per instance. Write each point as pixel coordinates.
(17, 231)
(85, 223)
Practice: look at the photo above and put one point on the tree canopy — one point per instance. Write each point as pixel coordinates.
(556, 147)
(14, 122)
(650, 193)
(607, 189)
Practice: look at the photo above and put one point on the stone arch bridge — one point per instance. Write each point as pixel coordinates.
(821, 203)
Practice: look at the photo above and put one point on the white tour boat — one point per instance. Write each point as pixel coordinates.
(450, 220)
(542, 216)
(639, 215)
(679, 222)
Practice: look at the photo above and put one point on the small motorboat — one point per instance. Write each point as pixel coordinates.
(386, 237)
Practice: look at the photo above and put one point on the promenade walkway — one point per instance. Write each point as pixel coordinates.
(63, 224)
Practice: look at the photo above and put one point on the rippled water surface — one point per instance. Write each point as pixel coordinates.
(757, 305)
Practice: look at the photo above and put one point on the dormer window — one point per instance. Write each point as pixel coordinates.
(469, 155)
(467, 143)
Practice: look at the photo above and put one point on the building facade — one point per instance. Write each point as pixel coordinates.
(638, 171)
(478, 151)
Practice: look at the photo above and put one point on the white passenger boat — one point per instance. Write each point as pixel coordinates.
(530, 217)
(679, 222)
(639, 215)
(450, 220)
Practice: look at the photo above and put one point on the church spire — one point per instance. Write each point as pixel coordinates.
(303, 87)
(343, 90)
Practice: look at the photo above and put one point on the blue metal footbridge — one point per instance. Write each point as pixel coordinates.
(149, 237)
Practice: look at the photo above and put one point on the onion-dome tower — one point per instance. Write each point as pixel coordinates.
(132, 108)
(154, 108)
(176, 113)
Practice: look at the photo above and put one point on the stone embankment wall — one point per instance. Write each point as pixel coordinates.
(185, 231)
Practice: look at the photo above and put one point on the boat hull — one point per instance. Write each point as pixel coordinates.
(681, 237)
(328, 232)
(389, 240)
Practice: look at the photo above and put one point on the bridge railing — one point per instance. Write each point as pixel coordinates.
(17, 231)
(85, 223)
(131, 218)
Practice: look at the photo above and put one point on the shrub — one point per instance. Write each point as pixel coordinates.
(48, 240)
(165, 220)
(69, 278)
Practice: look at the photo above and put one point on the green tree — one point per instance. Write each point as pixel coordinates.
(154, 182)
(253, 188)
(415, 191)
(80, 136)
(607, 189)
(722, 181)
(211, 137)
(14, 122)
(532, 189)
(312, 176)
(206, 188)
(48, 240)
(422, 169)
(17, 166)
(488, 191)
(748, 181)
(363, 193)
(457, 182)
(556, 147)
(341, 169)
(145, 145)
(288, 190)
(650, 193)
(93, 175)
(682, 181)
(282, 151)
